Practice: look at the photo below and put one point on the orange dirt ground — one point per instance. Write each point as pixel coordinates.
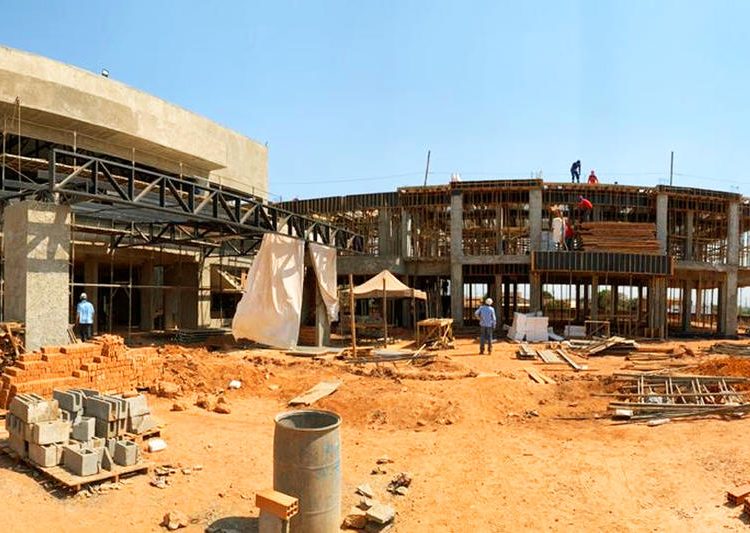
(463, 427)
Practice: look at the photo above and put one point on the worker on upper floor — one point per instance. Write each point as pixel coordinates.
(585, 207)
(593, 180)
(575, 172)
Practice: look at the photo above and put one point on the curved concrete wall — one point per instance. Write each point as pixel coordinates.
(64, 104)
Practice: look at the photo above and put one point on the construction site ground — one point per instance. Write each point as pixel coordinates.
(488, 448)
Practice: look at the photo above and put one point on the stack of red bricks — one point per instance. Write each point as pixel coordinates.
(105, 364)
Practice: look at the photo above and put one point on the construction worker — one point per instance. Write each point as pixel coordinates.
(85, 318)
(575, 172)
(585, 206)
(593, 180)
(558, 229)
(487, 323)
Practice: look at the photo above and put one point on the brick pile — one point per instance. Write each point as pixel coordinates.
(105, 364)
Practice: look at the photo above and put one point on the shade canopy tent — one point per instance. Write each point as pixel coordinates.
(387, 283)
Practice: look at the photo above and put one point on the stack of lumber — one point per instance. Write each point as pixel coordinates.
(11, 343)
(624, 237)
(726, 348)
(611, 346)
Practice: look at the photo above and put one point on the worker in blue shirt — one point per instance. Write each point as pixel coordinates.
(85, 318)
(487, 322)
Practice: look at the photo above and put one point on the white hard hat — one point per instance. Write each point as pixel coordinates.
(83, 296)
(488, 301)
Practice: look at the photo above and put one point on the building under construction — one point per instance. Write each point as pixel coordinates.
(651, 261)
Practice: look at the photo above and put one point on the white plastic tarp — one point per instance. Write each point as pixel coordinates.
(270, 308)
(324, 265)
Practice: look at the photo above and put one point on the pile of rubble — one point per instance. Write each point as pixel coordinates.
(79, 428)
(105, 364)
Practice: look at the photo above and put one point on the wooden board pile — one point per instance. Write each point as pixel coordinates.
(726, 348)
(642, 396)
(624, 237)
(11, 343)
(549, 356)
(611, 346)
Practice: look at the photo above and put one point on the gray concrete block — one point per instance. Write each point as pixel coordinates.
(126, 453)
(122, 427)
(85, 429)
(137, 406)
(81, 462)
(33, 409)
(70, 400)
(97, 442)
(110, 445)
(268, 523)
(141, 424)
(46, 455)
(50, 432)
(107, 462)
(18, 445)
(99, 408)
(381, 513)
(106, 429)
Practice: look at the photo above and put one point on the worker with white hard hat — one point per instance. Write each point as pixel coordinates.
(85, 318)
(487, 323)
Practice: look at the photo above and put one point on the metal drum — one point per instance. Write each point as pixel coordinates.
(307, 465)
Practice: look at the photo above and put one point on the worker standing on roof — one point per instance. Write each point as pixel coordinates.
(575, 172)
(585, 206)
(593, 180)
(85, 318)
(487, 322)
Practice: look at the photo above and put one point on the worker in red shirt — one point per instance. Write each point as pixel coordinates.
(593, 180)
(585, 206)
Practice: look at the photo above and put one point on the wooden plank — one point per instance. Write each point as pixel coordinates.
(549, 356)
(575, 366)
(539, 377)
(321, 390)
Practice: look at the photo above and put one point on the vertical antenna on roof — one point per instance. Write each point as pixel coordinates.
(427, 168)
(671, 167)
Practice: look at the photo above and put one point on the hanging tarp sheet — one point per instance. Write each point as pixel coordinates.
(373, 288)
(270, 308)
(324, 264)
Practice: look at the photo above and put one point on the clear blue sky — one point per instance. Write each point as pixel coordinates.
(350, 95)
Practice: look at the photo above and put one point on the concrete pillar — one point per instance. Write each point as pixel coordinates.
(147, 296)
(687, 305)
(90, 280)
(535, 219)
(535, 292)
(204, 294)
(662, 213)
(728, 315)
(657, 306)
(322, 325)
(385, 236)
(36, 247)
(613, 303)
(457, 254)
(498, 297)
(733, 234)
(506, 302)
(689, 224)
(594, 297)
(406, 234)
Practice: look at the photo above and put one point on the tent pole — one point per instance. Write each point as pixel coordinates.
(351, 315)
(385, 317)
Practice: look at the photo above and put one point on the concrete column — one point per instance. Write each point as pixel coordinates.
(322, 325)
(385, 237)
(498, 297)
(91, 279)
(613, 303)
(662, 206)
(535, 292)
(657, 306)
(36, 246)
(535, 219)
(728, 315)
(594, 297)
(406, 235)
(457, 255)
(147, 296)
(733, 234)
(687, 305)
(689, 224)
(204, 294)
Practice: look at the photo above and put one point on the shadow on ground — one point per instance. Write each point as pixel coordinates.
(234, 524)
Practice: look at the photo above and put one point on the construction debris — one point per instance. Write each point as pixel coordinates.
(537, 376)
(738, 495)
(11, 343)
(609, 346)
(321, 390)
(726, 348)
(646, 396)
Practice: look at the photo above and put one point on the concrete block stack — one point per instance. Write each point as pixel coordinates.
(105, 364)
(79, 428)
(36, 429)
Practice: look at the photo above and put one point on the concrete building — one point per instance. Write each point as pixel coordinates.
(134, 193)
(464, 241)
